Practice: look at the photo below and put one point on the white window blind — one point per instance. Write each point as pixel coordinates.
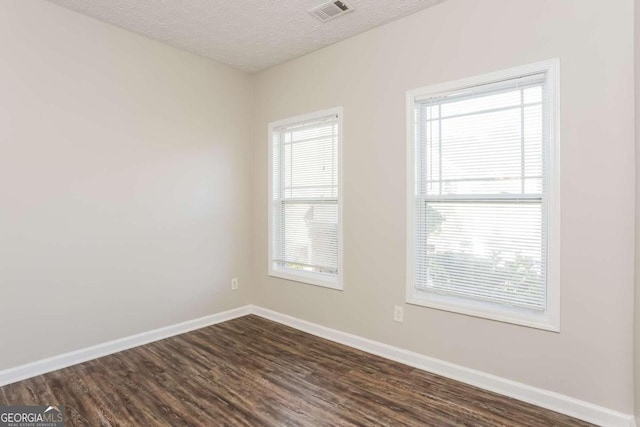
(305, 200)
(480, 186)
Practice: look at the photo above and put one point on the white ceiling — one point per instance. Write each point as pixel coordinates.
(247, 34)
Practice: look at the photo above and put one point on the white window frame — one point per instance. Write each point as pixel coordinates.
(310, 278)
(550, 320)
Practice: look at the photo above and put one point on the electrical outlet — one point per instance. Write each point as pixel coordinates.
(398, 314)
(234, 283)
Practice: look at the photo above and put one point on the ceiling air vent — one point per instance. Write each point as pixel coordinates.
(329, 10)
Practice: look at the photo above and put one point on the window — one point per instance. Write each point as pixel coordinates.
(484, 204)
(305, 226)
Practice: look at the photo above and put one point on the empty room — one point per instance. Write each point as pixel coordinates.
(319, 213)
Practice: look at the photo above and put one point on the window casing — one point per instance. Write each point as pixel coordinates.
(305, 205)
(483, 215)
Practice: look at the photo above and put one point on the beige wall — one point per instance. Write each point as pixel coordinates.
(125, 183)
(368, 75)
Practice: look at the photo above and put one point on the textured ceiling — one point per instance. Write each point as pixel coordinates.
(247, 34)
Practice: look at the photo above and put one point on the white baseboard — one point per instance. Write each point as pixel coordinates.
(554, 401)
(547, 399)
(54, 363)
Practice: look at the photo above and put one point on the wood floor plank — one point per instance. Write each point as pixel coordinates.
(254, 372)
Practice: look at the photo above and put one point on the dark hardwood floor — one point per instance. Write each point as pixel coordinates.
(254, 372)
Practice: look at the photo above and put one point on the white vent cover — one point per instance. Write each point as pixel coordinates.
(329, 10)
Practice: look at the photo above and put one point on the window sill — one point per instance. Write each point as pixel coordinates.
(483, 310)
(315, 279)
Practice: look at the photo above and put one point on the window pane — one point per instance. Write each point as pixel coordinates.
(481, 146)
(487, 251)
(489, 144)
(533, 95)
(476, 104)
(311, 166)
(533, 141)
(308, 236)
